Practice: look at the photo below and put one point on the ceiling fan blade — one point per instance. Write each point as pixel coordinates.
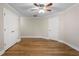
(36, 4)
(49, 10)
(50, 4)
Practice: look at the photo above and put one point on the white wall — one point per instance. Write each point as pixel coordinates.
(34, 27)
(69, 29)
(47, 27)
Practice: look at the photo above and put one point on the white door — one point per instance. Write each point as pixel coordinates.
(53, 28)
(10, 28)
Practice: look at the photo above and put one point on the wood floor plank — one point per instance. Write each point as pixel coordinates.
(40, 47)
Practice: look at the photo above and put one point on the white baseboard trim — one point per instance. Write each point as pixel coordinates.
(18, 40)
(34, 37)
(5, 48)
(45, 37)
(10, 45)
(30, 36)
(71, 45)
(2, 52)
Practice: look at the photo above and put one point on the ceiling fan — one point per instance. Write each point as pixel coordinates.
(42, 8)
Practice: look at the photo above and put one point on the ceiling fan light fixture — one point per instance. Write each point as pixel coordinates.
(43, 7)
(41, 11)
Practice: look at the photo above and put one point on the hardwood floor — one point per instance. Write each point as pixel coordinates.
(40, 47)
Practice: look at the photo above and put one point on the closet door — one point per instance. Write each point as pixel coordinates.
(53, 28)
(10, 28)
